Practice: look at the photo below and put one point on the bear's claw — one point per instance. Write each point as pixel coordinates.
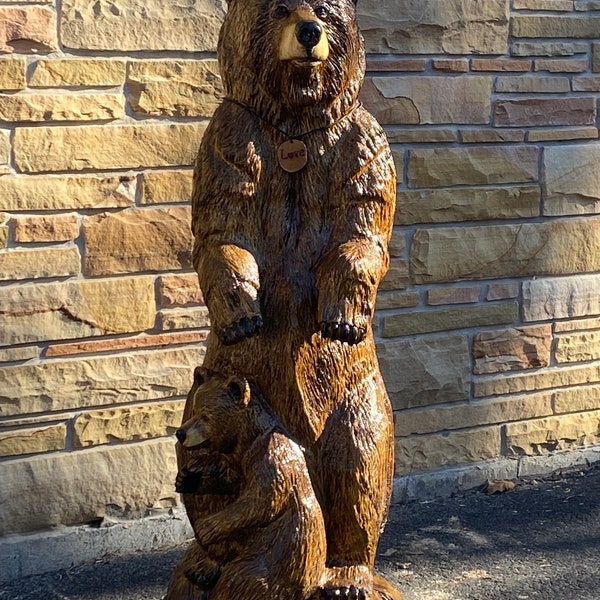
(240, 330)
(345, 592)
(344, 332)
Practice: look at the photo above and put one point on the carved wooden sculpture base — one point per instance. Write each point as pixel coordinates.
(288, 485)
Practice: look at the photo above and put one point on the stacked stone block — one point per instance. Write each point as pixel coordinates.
(488, 323)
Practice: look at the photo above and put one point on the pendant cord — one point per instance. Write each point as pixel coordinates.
(284, 133)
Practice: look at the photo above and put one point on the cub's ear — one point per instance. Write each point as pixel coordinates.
(201, 375)
(239, 390)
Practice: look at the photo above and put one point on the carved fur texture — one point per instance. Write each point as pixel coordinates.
(289, 263)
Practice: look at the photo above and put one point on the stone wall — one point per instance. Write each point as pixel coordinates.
(489, 320)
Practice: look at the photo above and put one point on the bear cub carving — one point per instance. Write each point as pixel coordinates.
(273, 528)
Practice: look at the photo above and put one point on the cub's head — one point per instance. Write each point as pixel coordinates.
(281, 56)
(219, 407)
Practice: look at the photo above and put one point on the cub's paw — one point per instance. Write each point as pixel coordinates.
(204, 577)
(240, 330)
(188, 482)
(344, 332)
(345, 592)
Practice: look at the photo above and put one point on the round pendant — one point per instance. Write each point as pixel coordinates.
(292, 155)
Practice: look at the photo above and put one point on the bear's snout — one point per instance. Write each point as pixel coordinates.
(308, 33)
(181, 435)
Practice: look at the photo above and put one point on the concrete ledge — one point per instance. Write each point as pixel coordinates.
(41, 552)
(63, 548)
(446, 481)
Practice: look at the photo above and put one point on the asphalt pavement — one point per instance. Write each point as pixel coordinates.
(540, 541)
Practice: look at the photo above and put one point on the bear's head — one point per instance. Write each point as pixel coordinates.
(219, 418)
(292, 60)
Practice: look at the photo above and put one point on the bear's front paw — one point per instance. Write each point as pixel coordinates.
(240, 330)
(345, 592)
(204, 576)
(344, 332)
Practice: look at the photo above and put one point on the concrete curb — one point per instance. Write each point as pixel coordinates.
(23, 555)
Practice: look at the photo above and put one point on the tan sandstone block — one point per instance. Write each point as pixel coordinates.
(19, 354)
(129, 478)
(51, 192)
(424, 371)
(163, 187)
(55, 228)
(577, 399)
(67, 384)
(421, 453)
(396, 299)
(512, 349)
(397, 276)
(478, 165)
(3, 230)
(435, 27)
(555, 26)
(449, 319)
(86, 72)
(532, 438)
(556, 5)
(561, 298)
(449, 65)
(392, 99)
(577, 325)
(179, 290)
(33, 440)
(106, 146)
(41, 262)
(27, 29)
(157, 239)
(578, 347)
(596, 58)
(486, 252)
(453, 295)
(115, 25)
(489, 136)
(473, 414)
(127, 343)
(193, 317)
(542, 380)
(586, 83)
(420, 136)
(72, 309)
(502, 291)
(562, 135)
(501, 64)
(446, 205)
(127, 424)
(555, 65)
(4, 154)
(61, 106)
(12, 74)
(545, 48)
(535, 112)
(572, 182)
(182, 88)
(533, 85)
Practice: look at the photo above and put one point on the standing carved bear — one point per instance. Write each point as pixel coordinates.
(293, 202)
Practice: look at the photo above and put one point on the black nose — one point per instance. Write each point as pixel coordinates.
(180, 434)
(308, 33)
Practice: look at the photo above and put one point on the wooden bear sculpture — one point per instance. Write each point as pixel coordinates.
(267, 541)
(293, 202)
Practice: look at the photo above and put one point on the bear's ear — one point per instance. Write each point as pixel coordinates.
(239, 389)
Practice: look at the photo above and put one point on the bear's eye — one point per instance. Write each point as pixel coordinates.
(282, 11)
(321, 12)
